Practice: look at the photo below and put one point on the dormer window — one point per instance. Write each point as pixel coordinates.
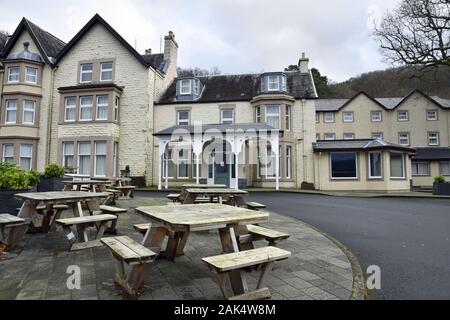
(186, 87)
(274, 83)
(86, 73)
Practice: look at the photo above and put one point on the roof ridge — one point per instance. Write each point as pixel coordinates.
(34, 25)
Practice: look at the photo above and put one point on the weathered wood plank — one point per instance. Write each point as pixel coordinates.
(266, 233)
(112, 209)
(86, 220)
(6, 219)
(79, 246)
(239, 260)
(61, 196)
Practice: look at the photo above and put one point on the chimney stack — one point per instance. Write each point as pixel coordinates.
(148, 52)
(303, 63)
(171, 54)
(26, 45)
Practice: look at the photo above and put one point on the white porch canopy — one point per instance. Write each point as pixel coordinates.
(198, 135)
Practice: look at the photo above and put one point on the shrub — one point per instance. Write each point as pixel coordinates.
(12, 178)
(54, 171)
(439, 179)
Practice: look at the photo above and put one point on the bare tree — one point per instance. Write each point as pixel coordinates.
(416, 33)
(198, 72)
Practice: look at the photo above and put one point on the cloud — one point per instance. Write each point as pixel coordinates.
(236, 36)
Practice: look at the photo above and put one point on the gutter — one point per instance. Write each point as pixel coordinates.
(50, 116)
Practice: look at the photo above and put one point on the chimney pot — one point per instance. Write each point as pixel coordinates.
(148, 52)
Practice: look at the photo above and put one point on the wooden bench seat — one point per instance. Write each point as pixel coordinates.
(126, 250)
(223, 265)
(115, 211)
(142, 228)
(175, 197)
(127, 191)
(272, 236)
(81, 241)
(13, 224)
(114, 195)
(255, 206)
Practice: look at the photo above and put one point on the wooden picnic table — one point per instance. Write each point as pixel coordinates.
(93, 185)
(115, 180)
(179, 221)
(184, 187)
(232, 196)
(49, 199)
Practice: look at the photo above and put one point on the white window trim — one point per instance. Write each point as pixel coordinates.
(399, 139)
(89, 71)
(403, 167)
(196, 87)
(9, 109)
(380, 119)
(69, 107)
(377, 133)
(347, 113)
(102, 105)
(436, 118)
(258, 115)
(407, 115)
(9, 74)
(168, 160)
(370, 167)
(325, 117)
(36, 76)
(437, 139)
(277, 82)
(29, 110)
(348, 133)
(115, 157)
(344, 178)
(79, 155)
(106, 70)
(415, 163)
(64, 154)
(183, 120)
(179, 162)
(101, 154)
(116, 108)
(329, 133)
(287, 117)
(222, 119)
(86, 106)
(186, 93)
(31, 157)
(273, 115)
(4, 149)
(289, 162)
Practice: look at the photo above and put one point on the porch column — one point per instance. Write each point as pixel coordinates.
(161, 152)
(166, 163)
(197, 148)
(275, 143)
(236, 145)
(236, 167)
(160, 172)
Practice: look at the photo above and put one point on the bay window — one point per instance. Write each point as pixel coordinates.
(288, 118)
(375, 165)
(84, 158)
(11, 111)
(8, 153)
(29, 111)
(288, 162)
(273, 116)
(106, 71)
(116, 109)
(26, 156)
(102, 107)
(68, 154)
(86, 108)
(100, 158)
(258, 114)
(344, 165)
(31, 75)
(70, 106)
(397, 165)
(13, 74)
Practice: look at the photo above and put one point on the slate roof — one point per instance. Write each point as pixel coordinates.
(223, 128)
(431, 153)
(244, 87)
(49, 46)
(156, 60)
(3, 38)
(324, 105)
(358, 145)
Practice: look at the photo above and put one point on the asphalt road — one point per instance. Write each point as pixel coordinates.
(407, 238)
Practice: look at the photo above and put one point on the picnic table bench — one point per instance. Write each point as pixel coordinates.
(127, 191)
(224, 265)
(232, 196)
(80, 241)
(126, 250)
(13, 223)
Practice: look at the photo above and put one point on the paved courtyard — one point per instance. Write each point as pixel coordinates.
(317, 269)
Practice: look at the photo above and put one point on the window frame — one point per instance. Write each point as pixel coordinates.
(116, 108)
(180, 162)
(438, 140)
(183, 120)
(4, 151)
(269, 83)
(376, 112)
(181, 87)
(403, 166)
(329, 133)
(288, 156)
(407, 115)
(91, 106)
(70, 107)
(25, 110)
(36, 76)
(23, 157)
(81, 155)
(106, 70)
(436, 112)
(82, 72)
(287, 117)
(344, 178)
(222, 118)
(267, 115)
(348, 133)
(440, 168)
(415, 172)
(97, 106)
(9, 74)
(258, 115)
(344, 113)
(377, 133)
(399, 138)
(65, 155)
(9, 109)
(369, 166)
(96, 155)
(325, 117)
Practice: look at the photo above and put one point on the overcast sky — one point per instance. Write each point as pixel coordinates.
(237, 36)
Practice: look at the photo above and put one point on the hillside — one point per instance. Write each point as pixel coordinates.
(392, 83)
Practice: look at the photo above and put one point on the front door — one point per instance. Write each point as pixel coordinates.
(222, 167)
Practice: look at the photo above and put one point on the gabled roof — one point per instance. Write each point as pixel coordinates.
(48, 45)
(147, 61)
(432, 153)
(358, 145)
(324, 105)
(244, 87)
(3, 39)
